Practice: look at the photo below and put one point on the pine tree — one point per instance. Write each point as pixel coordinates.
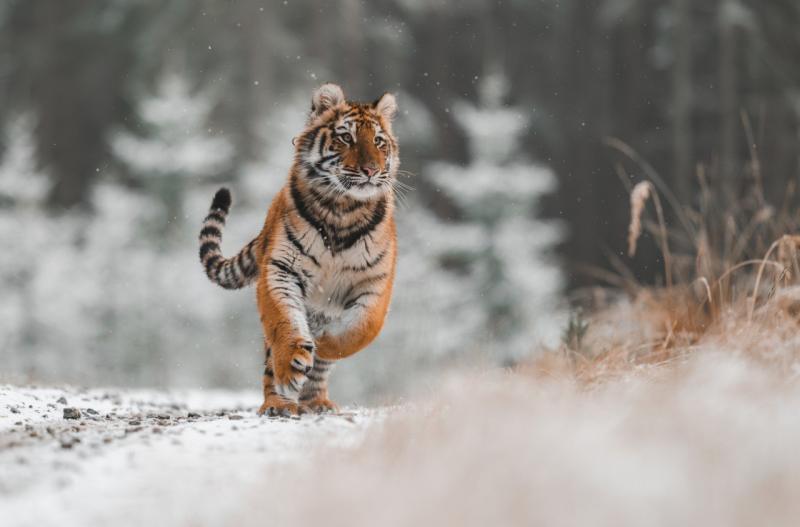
(175, 144)
(498, 241)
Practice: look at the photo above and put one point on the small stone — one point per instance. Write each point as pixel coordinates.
(193, 415)
(235, 417)
(164, 416)
(62, 400)
(92, 411)
(14, 409)
(134, 422)
(72, 413)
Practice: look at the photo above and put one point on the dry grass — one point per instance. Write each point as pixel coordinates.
(730, 281)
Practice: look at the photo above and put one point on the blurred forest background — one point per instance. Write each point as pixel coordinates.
(521, 120)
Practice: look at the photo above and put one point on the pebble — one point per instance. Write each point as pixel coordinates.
(62, 400)
(72, 413)
(69, 442)
(235, 417)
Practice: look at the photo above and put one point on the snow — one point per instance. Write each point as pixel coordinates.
(711, 441)
(140, 460)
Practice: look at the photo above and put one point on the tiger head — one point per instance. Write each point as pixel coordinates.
(348, 147)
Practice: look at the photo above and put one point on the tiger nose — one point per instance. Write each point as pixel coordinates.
(370, 170)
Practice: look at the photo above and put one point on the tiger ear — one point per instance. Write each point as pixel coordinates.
(325, 97)
(386, 106)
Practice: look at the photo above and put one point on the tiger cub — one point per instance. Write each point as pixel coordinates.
(324, 261)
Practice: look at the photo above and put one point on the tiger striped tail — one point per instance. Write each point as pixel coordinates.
(230, 273)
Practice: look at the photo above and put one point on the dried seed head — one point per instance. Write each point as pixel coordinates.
(639, 197)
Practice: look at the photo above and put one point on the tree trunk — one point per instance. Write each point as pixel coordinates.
(682, 101)
(729, 106)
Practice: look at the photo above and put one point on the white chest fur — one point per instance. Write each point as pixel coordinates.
(333, 282)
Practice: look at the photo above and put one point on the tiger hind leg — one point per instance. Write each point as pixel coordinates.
(275, 404)
(314, 396)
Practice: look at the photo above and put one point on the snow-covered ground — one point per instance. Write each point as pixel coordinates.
(146, 458)
(709, 440)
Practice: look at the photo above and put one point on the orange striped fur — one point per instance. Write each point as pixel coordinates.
(324, 262)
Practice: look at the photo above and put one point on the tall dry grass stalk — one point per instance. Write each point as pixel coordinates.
(735, 276)
(639, 196)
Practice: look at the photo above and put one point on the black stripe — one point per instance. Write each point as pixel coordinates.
(327, 158)
(368, 280)
(236, 276)
(302, 209)
(298, 245)
(332, 205)
(314, 173)
(322, 144)
(210, 230)
(377, 218)
(288, 270)
(368, 265)
(211, 263)
(227, 275)
(315, 378)
(215, 215)
(311, 136)
(350, 303)
(237, 261)
(325, 202)
(208, 247)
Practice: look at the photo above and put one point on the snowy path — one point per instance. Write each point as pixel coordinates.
(146, 458)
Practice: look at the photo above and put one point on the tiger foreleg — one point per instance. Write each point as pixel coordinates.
(291, 355)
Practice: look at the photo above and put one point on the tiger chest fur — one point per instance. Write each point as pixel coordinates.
(340, 275)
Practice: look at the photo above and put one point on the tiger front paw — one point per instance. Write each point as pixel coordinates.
(291, 368)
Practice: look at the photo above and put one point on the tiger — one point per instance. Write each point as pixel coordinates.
(324, 262)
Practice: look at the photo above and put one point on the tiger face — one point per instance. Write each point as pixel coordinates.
(347, 147)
